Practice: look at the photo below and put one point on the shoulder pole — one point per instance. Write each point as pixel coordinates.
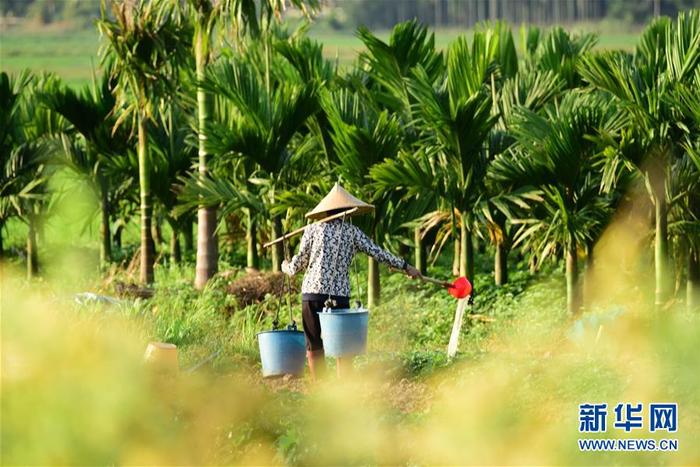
(301, 229)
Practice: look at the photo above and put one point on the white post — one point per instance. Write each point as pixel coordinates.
(456, 327)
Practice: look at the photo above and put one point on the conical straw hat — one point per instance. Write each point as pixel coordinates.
(338, 198)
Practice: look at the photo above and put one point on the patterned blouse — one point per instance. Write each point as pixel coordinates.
(326, 251)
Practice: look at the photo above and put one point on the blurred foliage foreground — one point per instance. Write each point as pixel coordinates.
(75, 389)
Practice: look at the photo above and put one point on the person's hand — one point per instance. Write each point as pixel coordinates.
(412, 272)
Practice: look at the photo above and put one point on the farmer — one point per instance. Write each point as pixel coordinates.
(326, 251)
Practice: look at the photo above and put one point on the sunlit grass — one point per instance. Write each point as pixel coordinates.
(75, 389)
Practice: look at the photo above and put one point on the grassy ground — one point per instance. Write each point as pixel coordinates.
(510, 396)
(72, 54)
(74, 389)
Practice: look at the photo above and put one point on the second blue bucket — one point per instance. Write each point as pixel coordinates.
(282, 352)
(344, 331)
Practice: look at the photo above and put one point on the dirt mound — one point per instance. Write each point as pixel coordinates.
(130, 290)
(254, 286)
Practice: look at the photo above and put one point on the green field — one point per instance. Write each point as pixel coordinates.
(567, 195)
(510, 397)
(72, 54)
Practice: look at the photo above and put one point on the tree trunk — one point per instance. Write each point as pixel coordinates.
(206, 216)
(32, 254)
(106, 246)
(158, 232)
(187, 235)
(466, 257)
(373, 284)
(589, 257)
(587, 290)
(480, 245)
(175, 252)
(572, 293)
(118, 236)
(455, 258)
(693, 282)
(419, 251)
(251, 240)
(661, 249)
(147, 253)
(404, 250)
(462, 249)
(277, 252)
(470, 256)
(501, 264)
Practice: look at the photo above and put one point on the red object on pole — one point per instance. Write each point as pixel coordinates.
(460, 288)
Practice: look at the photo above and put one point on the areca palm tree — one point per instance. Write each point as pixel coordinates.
(554, 153)
(668, 53)
(490, 67)
(207, 15)
(530, 90)
(229, 189)
(14, 167)
(256, 118)
(26, 142)
(146, 42)
(173, 157)
(686, 224)
(388, 66)
(389, 63)
(362, 136)
(456, 118)
(90, 113)
(549, 66)
(557, 51)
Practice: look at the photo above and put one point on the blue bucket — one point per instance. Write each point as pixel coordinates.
(344, 331)
(282, 352)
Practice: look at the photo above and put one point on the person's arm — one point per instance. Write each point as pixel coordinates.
(301, 260)
(364, 244)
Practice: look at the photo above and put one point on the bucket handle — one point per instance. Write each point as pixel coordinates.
(292, 323)
(327, 305)
(287, 292)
